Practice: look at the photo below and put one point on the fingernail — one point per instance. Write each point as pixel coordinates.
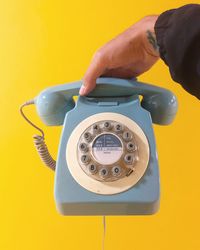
(82, 90)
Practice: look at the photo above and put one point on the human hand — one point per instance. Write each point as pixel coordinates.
(128, 55)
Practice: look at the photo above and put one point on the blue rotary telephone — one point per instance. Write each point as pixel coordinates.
(107, 162)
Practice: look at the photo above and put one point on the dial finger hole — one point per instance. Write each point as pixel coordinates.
(116, 171)
(96, 128)
(83, 147)
(87, 136)
(92, 168)
(103, 173)
(131, 147)
(118, 128)
(129, 159)
(85, 159)
(107, 125)
(127, 136)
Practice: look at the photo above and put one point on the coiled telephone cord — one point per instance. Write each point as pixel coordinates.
(39, 141)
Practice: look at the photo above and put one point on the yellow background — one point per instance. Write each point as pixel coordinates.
(44, 43)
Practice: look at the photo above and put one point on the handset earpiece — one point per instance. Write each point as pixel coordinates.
(52, 107)
(162, 106)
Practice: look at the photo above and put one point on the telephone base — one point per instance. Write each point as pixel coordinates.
(72, 198)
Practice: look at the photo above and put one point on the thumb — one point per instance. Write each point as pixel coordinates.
(95, 69)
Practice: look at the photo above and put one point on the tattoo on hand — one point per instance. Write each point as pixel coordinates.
(152, 40)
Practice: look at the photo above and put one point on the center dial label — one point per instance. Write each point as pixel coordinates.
(107, 149)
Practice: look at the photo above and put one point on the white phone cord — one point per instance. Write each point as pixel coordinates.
(104, 232)
(39, 141)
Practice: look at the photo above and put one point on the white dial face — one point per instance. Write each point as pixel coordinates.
(107, 149)
(107, 156)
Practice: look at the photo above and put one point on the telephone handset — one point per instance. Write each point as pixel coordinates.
(107, 162)
(53, 103)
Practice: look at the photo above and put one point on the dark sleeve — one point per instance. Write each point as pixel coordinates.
(178, 37)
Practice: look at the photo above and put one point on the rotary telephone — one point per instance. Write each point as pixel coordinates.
(107, 162)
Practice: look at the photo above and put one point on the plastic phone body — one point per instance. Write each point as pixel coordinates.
(114, 104)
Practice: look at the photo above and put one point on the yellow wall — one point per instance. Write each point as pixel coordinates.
(43, 43)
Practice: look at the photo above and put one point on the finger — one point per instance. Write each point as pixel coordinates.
(96, 69)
